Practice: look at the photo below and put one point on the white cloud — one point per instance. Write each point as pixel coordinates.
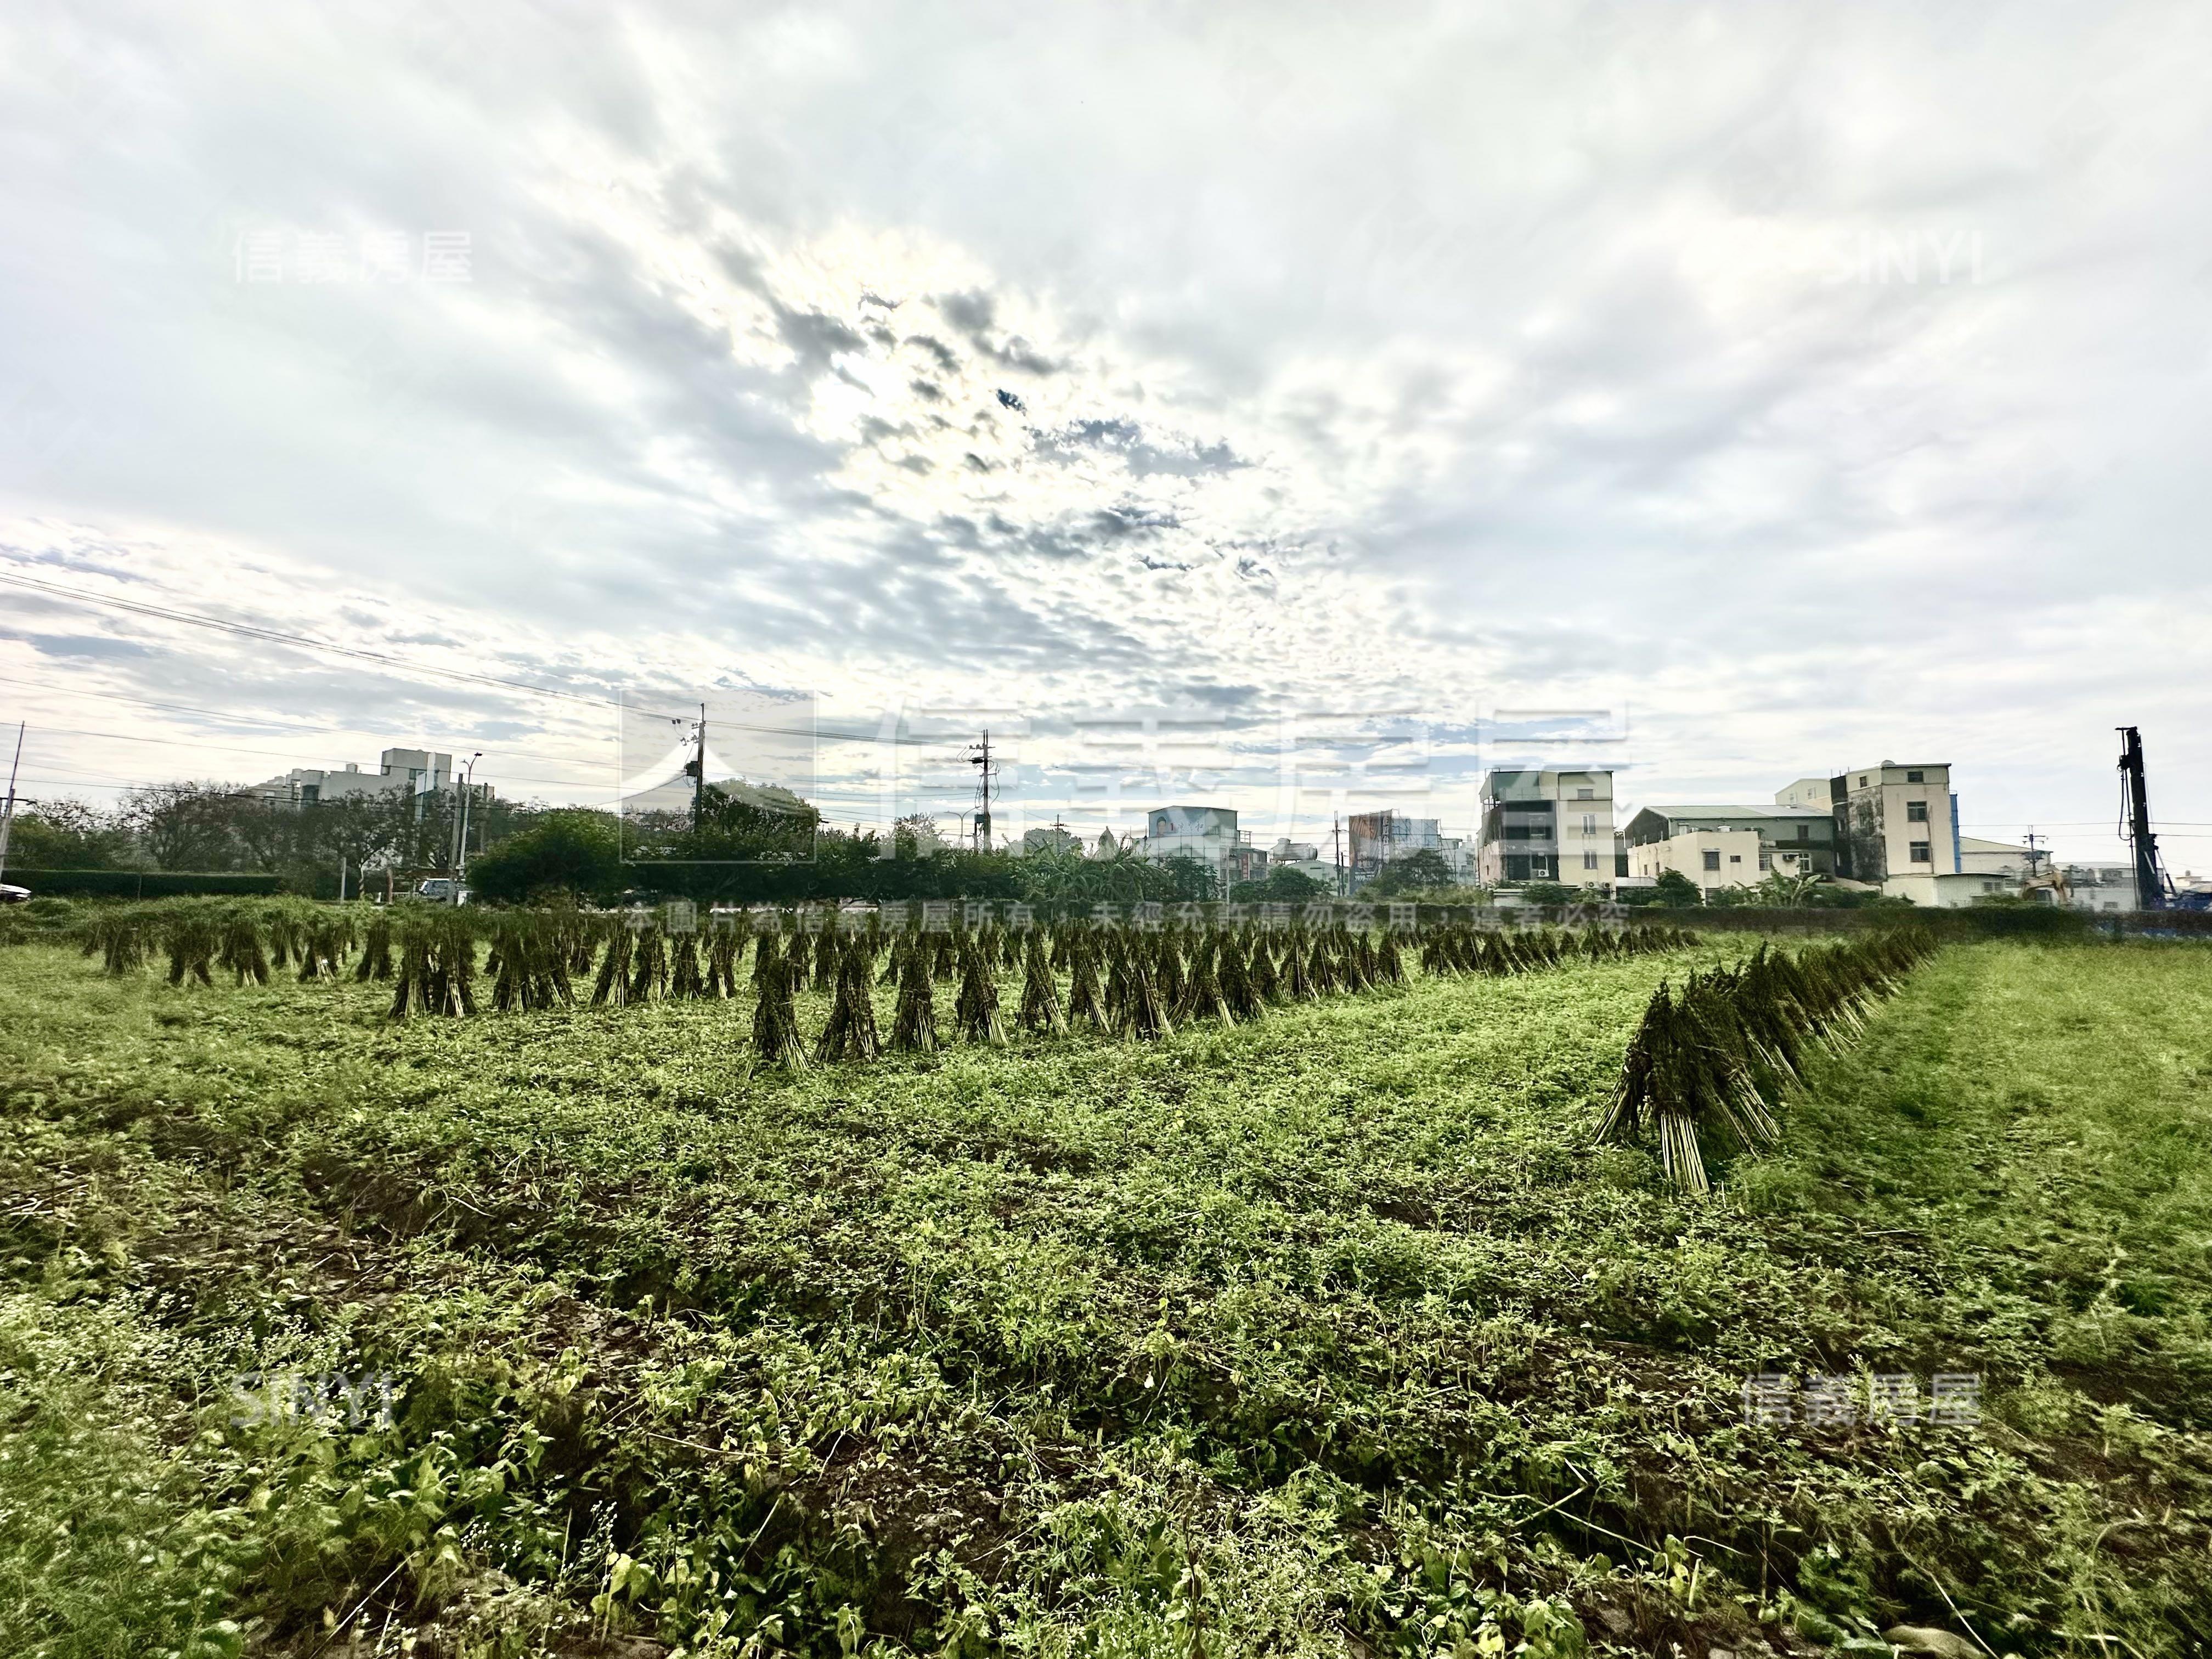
(1821, 382)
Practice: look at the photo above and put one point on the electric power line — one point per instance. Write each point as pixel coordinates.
(309, 642)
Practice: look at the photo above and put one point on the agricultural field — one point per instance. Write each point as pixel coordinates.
(578, 1330)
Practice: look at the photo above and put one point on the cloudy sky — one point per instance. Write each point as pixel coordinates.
(1300, 408)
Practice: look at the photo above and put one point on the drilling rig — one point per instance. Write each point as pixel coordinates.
(2153, 891)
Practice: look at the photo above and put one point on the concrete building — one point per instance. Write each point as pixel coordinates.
(1719, 847)
(1208, 834)
(1995, 858)
(1794, 840)
(2102, 887)
(1714, 859)
(1543, 825)
(1378, 837)
(1985, 869)
(400, 772)
(1897, 827)
(1305, 858)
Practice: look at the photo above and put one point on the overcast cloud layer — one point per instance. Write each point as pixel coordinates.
(1796, 385)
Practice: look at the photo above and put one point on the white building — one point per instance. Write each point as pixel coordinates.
(1547, 826)
(401, 772)
(1376, 838)
(1208, 834)
(1707, 844)
(2102, 887)
(1304, 857)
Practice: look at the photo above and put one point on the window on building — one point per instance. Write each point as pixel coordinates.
(1585, 794)
(1915, 812)
(1766, 860)
(1920, 854)
(1735, 858)
(1861, 783)
(1712, 859)
(1915, 777)
(1589, 861)
(1590, 824)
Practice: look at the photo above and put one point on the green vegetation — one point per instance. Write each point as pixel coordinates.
(1327, 1329)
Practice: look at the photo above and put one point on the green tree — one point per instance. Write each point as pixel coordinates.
(1420, 871)
(1189, 878)
(1281, 885)
(1676, 888)
(187, 826)
(1789, 890)
(67, 835)
(575, 852)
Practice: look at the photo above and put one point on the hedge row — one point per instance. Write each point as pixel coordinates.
(139, 884)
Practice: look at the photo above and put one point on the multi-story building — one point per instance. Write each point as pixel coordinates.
(1998, 859)
(400, 772)
(1208, 834)
(1378, 837)
(1719, 847)
(2100, 887)
(1304, 857)
(1544, 825)
(1897, 827)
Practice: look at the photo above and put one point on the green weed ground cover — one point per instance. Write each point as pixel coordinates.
(1331, 1333)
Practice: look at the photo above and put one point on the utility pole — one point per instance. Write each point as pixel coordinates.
(979, 757)
(2135, 801)
(8, 813)
(1336, 848)
(461, 823)
(698, 770)
(2034, 856)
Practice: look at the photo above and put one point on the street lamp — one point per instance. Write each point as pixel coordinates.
(461, 823)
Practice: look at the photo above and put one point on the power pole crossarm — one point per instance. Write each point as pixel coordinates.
(979, 757)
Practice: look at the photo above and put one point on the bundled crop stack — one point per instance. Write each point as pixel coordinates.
(976, 1010)
(1040, 1010)
(118, 937)
(914, 1028)
(323, 944)
(1460, 948)
(723, 956)
(1709, 1065)
(777, 1041)
(242, 954)
(529, 965)
(850, 1030)
(375, 952)
(189, 935)
(1086, 998)
(611, 988)
(437, 966)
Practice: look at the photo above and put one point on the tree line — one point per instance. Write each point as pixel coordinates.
(210, 827)
(742, 849)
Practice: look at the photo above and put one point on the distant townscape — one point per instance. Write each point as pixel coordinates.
(1887, 833)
